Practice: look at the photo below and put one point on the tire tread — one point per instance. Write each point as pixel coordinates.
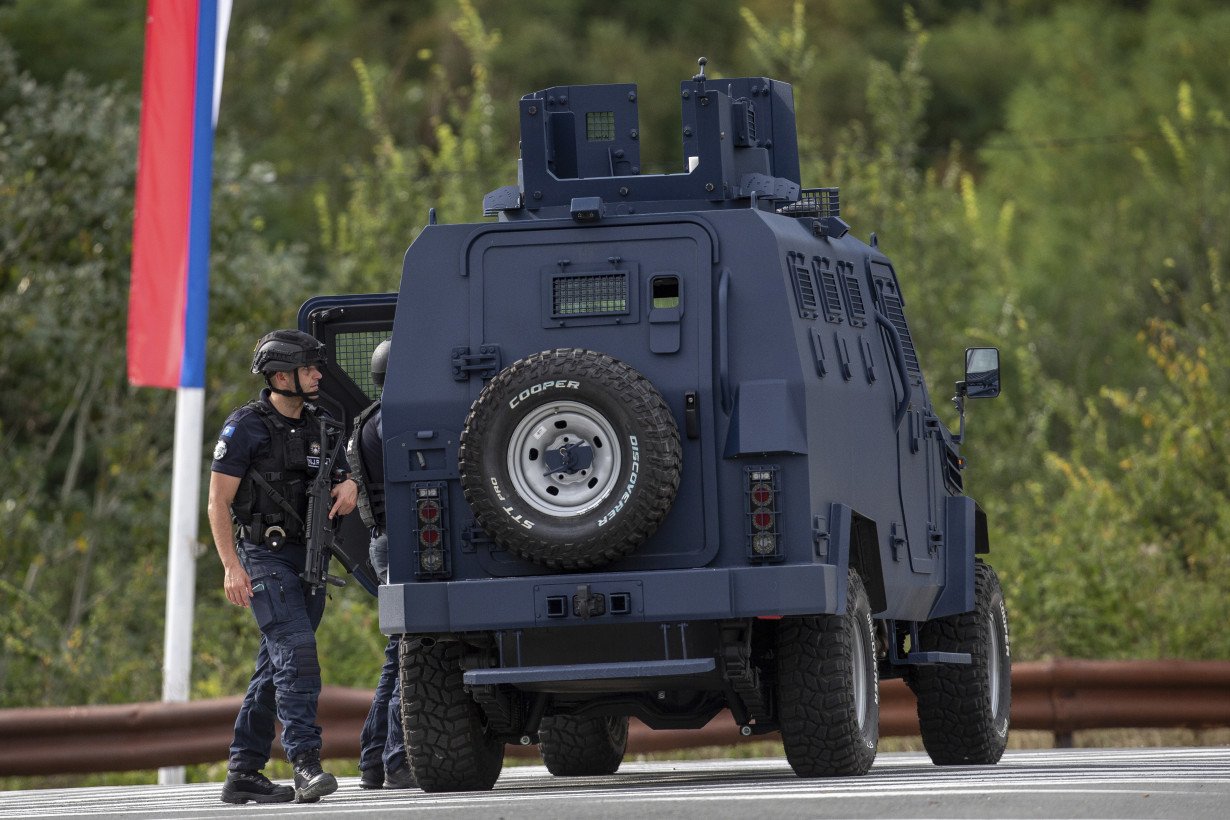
(819, 722)
(954, 701)
(445, 743)
(582, 746)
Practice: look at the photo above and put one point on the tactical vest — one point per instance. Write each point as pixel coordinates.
(273, 493)
(371, 482)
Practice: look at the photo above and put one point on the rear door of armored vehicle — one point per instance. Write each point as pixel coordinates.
(641, 293)
(350, 328)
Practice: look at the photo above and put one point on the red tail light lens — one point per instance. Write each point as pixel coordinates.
(429, 511)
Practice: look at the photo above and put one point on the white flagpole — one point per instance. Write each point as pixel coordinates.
(182, 552)
(182, 547)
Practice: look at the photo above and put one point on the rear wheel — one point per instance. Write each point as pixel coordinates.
(583, 746)
(448, 744)
(964, 710)
(828, 689)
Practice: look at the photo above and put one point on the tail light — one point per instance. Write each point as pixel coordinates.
(431, 530)
(763, 490)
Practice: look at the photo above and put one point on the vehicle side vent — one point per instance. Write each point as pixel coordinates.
(603, 294)
(829, 296)
(952, 472)
(854, 295)
(892, 308)
(804, 286)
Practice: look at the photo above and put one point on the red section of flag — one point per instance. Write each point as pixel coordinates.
(164, 172)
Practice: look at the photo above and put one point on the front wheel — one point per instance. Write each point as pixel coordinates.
(828, 689)
(964, 710)
(583, 746)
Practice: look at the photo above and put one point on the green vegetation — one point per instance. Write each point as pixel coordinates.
(1052, 178)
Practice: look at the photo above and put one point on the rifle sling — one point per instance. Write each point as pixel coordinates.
(277, 497)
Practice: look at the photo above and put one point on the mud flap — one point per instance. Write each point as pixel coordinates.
(959, 530)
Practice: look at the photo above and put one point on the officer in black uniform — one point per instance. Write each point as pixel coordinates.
(382, 759)
(266, 457)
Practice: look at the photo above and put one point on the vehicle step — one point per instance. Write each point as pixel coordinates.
(924, 658)
(588, 671)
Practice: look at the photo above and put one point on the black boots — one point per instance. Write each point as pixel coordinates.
(398, 778)
(243, 785)
(311, 782)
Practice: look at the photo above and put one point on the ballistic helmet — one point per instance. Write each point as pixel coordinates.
(380, 362)
(284, 350)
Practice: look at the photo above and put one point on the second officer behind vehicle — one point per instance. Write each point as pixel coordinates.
(382, 760)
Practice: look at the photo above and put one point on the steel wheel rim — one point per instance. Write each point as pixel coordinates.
(993, 663)
(860, 675)
(563, 495)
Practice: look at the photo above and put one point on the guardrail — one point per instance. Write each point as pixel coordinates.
(1060, 696)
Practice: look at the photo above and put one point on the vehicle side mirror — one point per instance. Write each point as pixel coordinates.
(982, 372)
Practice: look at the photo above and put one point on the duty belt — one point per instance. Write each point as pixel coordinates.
(272, 537)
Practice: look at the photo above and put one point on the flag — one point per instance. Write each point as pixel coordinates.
(168, 301)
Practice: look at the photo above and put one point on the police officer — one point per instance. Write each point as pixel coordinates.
(382, 761)
(267, 454)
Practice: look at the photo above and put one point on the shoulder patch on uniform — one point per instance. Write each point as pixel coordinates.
(228, 431)
(220, 450)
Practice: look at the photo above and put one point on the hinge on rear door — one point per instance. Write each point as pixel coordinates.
(485, 363)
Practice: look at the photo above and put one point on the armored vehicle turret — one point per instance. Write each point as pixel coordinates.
(659, 446)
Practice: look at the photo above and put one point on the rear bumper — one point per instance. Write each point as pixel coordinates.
(664, 595)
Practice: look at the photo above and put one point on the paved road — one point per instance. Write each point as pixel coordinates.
(1085, 783)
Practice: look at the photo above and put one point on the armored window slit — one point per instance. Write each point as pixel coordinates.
(599, 126)
(604, 294)
(353, 353)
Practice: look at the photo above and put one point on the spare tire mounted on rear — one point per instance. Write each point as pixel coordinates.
(570, 458)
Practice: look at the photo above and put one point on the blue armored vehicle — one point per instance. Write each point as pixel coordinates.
(658, 446)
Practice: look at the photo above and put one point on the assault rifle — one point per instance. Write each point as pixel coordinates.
(320, 529)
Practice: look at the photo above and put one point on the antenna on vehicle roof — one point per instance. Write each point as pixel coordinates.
(700, 78)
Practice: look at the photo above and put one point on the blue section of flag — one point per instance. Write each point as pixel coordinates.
(196, 308)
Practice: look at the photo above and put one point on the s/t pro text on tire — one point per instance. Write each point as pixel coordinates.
(570, 458)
